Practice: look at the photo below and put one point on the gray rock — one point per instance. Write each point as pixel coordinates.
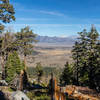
(3, 83)
(18, 95)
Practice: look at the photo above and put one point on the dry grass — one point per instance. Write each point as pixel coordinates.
(54, 52)
(51, 56)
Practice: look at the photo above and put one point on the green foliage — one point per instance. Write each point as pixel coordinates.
(6, 12)
(43, 97)
(46, 71)
(77, 63)
(86, 56)
(93, 59)
(6, 16)
(79, 53)
(31, 95)
(38, 96)
(84, 79)
(7, 45)
(25, 38)
(39, 71)
(10, 90)
(66, 75)
(13, 66)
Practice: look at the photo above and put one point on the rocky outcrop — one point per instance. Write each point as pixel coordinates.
(18, 95)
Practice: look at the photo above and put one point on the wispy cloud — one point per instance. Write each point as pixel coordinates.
(32, 19)
(52, 13)
(56, 13)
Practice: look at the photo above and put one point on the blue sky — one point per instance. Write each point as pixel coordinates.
(56, 17)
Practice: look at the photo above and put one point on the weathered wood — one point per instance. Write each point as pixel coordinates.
(56, 93)
(21, 81)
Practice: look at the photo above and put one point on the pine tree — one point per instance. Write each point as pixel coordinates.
(83, 58)
(25, 39)
(7, 46)
(66, 76)
(77, 64)
(86, 56)
(13, 66)
(93, 63)
(6, 16)
(6, 13)
(97, 72)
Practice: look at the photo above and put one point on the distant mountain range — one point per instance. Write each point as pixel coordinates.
(57, 40)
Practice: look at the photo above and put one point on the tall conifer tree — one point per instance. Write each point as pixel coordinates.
(86, 55)
(6, 16)
(13, 66)
(25, 39)
(76, 57)
(93, 56)
(66, 76)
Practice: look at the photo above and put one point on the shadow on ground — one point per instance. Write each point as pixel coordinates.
(2, 96)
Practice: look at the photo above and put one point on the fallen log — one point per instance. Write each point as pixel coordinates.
(75, 93)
